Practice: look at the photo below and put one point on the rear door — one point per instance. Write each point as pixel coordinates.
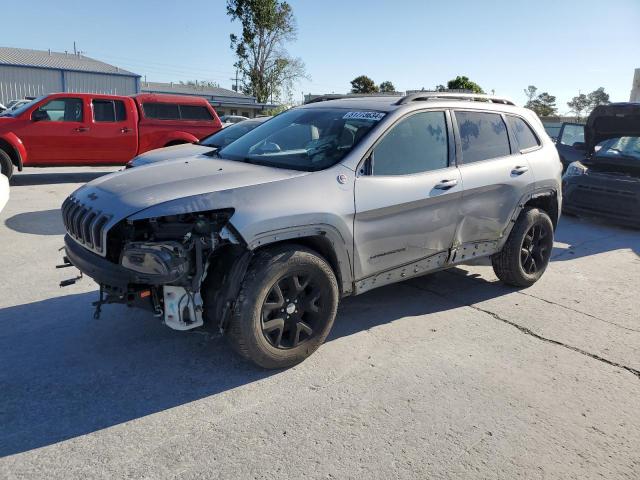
(407, 205)
(114, 138)
(494, 178)
(56, 132)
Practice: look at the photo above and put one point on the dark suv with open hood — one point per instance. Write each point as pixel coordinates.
(607, 182)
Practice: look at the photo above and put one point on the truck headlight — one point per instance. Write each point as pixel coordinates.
(574, 169)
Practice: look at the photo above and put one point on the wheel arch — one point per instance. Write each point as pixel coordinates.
(325, 240)
(178, 138)
(8, 145)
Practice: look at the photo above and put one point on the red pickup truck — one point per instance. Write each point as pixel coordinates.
(92, 129)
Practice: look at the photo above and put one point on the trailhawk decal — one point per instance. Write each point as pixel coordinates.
(375, 116)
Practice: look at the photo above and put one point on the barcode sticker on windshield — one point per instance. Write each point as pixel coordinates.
(375, 116)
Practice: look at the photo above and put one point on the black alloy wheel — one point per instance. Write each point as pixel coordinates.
(293, 310)
(536, 248)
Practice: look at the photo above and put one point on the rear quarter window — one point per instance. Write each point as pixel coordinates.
(523, 134)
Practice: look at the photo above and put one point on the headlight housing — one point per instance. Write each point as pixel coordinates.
(575, 169)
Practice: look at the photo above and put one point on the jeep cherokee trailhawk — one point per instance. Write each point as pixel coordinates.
(261, 238)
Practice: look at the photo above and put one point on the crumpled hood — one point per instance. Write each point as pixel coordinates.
(611, 121)
(169, 153)
(126, 192)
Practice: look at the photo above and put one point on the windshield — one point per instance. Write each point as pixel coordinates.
(229, 134)
(303, 139)
(621, 147)
(20, 109)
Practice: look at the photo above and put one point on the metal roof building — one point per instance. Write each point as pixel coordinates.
(31, 73)
(226, 102)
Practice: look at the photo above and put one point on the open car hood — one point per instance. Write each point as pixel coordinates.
(611, 121)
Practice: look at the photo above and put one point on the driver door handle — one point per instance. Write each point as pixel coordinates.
(519, 170)
(446, 184)
(82, 129)
(125, 130)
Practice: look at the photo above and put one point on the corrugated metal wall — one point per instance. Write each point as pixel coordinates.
(20, 82)
(99, 83)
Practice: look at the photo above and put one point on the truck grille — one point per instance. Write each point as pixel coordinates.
(85, 225)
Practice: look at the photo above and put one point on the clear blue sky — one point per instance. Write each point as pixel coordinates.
(560, 46)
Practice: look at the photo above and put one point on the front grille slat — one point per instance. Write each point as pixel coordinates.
(84, 224)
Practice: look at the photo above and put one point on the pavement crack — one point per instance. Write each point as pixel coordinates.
(566, 307)
(580, 312)
(528, 331)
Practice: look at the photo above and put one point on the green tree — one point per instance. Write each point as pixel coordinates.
(463, 83)
(531, 93)
(578, 104)
(261, 57)
(544, 105)
(440, 88)
(363, 84)
(387, 87)
(598, 97)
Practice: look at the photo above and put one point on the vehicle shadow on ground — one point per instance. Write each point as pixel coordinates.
(27, 179)
(582, 237)
(65, 374)
(44, 222)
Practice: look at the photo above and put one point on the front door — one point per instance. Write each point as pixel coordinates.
(57, 132)
(407, 205)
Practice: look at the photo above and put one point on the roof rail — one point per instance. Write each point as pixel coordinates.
(424, 96)
(336, 96)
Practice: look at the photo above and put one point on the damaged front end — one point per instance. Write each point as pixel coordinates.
(157, 263)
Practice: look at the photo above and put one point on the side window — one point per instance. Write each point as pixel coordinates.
(161, 111)
(194, 112)
(62, 110)
(524, 136)
(483, 136)
(571, 134)
(416, 144)
(109, 110)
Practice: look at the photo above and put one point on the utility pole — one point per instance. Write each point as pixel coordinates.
(75, 52)
(236, 79)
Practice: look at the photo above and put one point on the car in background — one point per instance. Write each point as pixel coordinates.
(15, 104)
(218, 140)
(233, 119)
(570, 135)
(606, 181)
(94, 129)
(4, 191)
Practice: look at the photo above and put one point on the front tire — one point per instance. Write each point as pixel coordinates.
(526, 254)
(6, 166)
(286, 307)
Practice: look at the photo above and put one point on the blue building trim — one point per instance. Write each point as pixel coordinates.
(63, 82)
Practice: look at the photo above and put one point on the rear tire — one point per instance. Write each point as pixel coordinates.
(6, 165)
(286, 307)
(526, 254)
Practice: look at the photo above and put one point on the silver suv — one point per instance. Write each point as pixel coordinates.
(261, 238)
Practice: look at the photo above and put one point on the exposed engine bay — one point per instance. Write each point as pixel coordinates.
(161, 263)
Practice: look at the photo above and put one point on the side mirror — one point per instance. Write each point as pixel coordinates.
(39, 115)
(580, 146)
